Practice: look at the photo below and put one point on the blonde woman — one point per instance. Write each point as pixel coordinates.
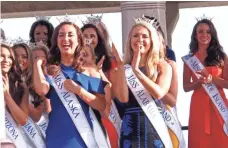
(148, 78)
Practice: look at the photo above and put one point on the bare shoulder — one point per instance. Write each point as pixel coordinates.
(164, 65)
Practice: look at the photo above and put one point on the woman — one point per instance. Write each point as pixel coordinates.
(98, 37)
(205, 122)
(153, 73)
(41, 31)
(63, 130)
(15, 95)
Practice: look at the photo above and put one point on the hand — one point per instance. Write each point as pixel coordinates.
(53, 70)
(136, 59)
(71, 86)
(25, 87)
(100, 63)
(41, 61)
(5, 87)
(204, 76)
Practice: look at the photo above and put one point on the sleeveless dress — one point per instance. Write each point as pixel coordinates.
(205, 123)
(136, 130)
(61, 131)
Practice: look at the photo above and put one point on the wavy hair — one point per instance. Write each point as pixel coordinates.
(154, 54)
(50, 29)
(15, 90)
(54, 53)
(101, 49)
(215, 53)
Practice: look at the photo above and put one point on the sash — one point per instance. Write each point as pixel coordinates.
(173, 124)
(148, 105)
(195, 65)
(2, 108)
(13, 132)
(42, 125)
(33, 134)
(114, 117)
(78, 117)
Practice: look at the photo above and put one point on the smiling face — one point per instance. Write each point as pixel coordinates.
(140, 39)
(41, 34)
(90, 34)
(203, 34)
(22, 57)
(6, 60)
(67, 40)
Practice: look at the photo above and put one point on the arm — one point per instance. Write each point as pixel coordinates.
(171, 97)
(222, 81)
(96, 100)
(35, 113)
(117, 78)
(19, 115)
(41, 86)
(187, 84)
(161, 87)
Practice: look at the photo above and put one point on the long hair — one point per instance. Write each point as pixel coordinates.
(15, 90)
(54, 53)
(215, 53)
(101, 49)
(153, 55)
(41, 23)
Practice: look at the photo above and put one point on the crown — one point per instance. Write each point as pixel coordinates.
(92, 19)
(66, 18)
(19, 40)
(204, 17)
(150, 22)
(33, 45)
(7, 42)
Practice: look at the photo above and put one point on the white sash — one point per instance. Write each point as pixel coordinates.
(42, 125)
(173, 124)
(195, 65)
(148, 105)
(114, 117)
(33, 134)
(13, 132)
(92, 139)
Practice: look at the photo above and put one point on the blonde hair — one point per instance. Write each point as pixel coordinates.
(154, 54)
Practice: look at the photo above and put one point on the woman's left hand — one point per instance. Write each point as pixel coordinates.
(71, 86)
(204, 76)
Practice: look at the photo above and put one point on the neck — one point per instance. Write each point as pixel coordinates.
(67, 60)
(142, 60)
(202, 49)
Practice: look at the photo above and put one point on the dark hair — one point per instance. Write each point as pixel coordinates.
(27, 74)
(101, 48)
(15, 90)
(215, 53)
(41, 23)
(2, 34)
(54, 53)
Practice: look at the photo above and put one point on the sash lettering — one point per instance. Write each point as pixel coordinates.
(33, 134)
(93, 139)
(13, 132)
(195, 65)
(148, 105)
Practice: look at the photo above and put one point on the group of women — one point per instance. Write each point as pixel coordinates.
(70, 88)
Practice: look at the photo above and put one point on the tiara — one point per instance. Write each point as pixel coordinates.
(92, 19)
(33, 45)
(7, 42)
(45, 18)
(66, 18)
(19, 40)
(153, 22)
(204, 17)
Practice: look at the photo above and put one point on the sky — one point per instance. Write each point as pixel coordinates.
(180, 39)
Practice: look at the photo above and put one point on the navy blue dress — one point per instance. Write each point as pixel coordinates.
(61, 131)
(136, 130)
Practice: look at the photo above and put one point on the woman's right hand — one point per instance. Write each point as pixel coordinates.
(53, 70)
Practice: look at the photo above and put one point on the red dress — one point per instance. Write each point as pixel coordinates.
(205, 122)
(111, 131)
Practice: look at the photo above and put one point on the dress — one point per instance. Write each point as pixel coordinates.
(61, 131)
(205, 123)
(136, 130)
